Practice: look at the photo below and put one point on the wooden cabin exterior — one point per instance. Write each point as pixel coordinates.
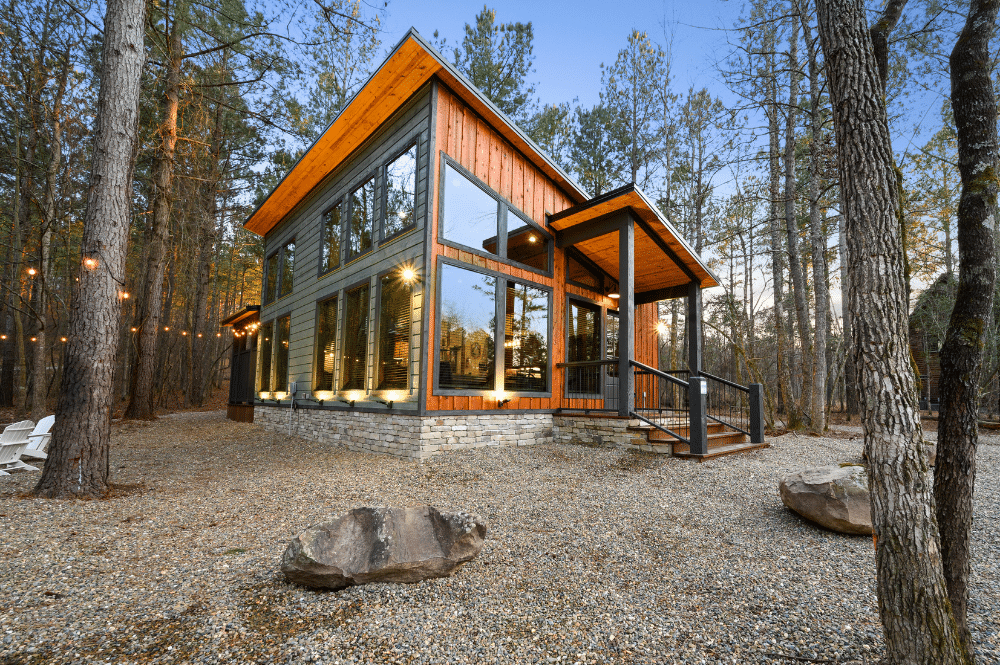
(434, 281)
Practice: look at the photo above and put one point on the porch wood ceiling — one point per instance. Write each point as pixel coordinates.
(410, 66)
(663, 261)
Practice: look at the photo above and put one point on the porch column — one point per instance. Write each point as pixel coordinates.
(626, 316)
(694, 328)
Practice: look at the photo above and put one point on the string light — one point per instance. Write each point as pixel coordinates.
(3, 336)
(124, 295)
(199, 334)
(134, 329)
(167, 328)
(90, 263)
(34, 339)
(32, 272)
(63, 339)
(218, 334)
(184, 332)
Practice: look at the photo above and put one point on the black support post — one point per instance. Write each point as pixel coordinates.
(756, 413)
(698, 401)
(694, 328)
(626, 317)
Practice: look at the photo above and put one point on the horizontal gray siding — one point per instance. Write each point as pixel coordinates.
(304, 224)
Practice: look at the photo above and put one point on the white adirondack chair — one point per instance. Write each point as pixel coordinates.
(38, 440)
(13, 441)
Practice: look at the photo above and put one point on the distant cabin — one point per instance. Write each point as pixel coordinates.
(434, 281)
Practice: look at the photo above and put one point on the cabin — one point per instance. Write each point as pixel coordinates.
(433, 281)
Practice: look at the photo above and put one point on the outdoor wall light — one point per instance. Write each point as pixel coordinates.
(346, 401)
(388, 403)
(614, 296)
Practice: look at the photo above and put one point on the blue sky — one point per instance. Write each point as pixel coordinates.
(572, 39)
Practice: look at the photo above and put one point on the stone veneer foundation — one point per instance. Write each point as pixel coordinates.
(419, 437)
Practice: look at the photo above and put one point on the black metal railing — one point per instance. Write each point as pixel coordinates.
(591, 385)
(662, 400)
(728, 403)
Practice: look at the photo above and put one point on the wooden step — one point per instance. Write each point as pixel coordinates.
(718, 440)
(729, 449)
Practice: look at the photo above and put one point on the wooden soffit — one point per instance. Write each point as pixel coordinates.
(662, 260)
(408, 68)
(247, 315)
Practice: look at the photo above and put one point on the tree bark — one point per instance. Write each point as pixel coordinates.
(777, 252)
(140, 406)
(78, 457)
(975, 109)
(913, 600)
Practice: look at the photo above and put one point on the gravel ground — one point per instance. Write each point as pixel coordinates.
(593, 555)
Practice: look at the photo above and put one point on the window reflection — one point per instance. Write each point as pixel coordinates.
(287, 268)
(394, 333)
(526, 245)
(326, 340)
(526, 339)
(468, 318)
(281, 353)
(362, 218)
(470, 214)
(270, 277)
(331, 237)
(266, 337)
(400, 187)
(584, 345)
(355, 339)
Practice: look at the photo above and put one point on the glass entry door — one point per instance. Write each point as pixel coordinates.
(611, 353)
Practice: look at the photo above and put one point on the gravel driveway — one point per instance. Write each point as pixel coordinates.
(593, 555)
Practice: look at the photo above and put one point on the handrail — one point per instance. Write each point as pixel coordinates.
(725, 381)
(587, 363)
(660, 427)
(656, 372)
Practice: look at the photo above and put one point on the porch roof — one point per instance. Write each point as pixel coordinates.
(664, 262)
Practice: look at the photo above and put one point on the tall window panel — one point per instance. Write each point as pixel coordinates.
(611, 342)
(270, 278)
(266, 349)
(400, 193)
(525, 244)
(287, 269)
(467, 357)
(355, 342)
(470, 214)
(584, 344)
(394, 333)
(332, 220)
(362, 223)
(526, 339)
(326, 345)
(281, 334)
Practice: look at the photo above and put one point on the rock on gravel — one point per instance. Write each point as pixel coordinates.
(373, 544)
(834, 496)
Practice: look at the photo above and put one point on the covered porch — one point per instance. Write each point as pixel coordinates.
(623, 235)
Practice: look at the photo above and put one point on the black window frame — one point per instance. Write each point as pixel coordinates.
(601, 316)
(504, 209)
(341, 202)
(384, 195)
(378, 336)
(334, 297)
(341, 339)
(277, 279)
(349, 256)
(499, 331)
(604, 278)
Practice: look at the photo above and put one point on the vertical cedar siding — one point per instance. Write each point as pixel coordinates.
(462, 135)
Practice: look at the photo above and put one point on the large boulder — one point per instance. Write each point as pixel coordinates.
(383, 545)
(833, 496)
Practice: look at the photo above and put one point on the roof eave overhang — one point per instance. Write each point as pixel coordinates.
(410, 66)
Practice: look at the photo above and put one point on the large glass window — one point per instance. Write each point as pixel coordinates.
(332, 220)
(355, 342)
(393, 333)
(287, 269)
(577, 271)
(270, 277)
(526, 339)
(470, 214)
(281, 330)
(611, 342)
(400, 193)
(525, 244)
(362, 221)
(468, 321)
(584, 344)
(266, 348)
(326, 345)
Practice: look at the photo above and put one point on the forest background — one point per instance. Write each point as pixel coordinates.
(745, 168)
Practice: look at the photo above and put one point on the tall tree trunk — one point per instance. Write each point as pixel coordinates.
(140, 406)
(777, 253)
(975, 108)
(78, 463)
(817, 235)
(850, 365)
(12, 328)
(913, 601)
